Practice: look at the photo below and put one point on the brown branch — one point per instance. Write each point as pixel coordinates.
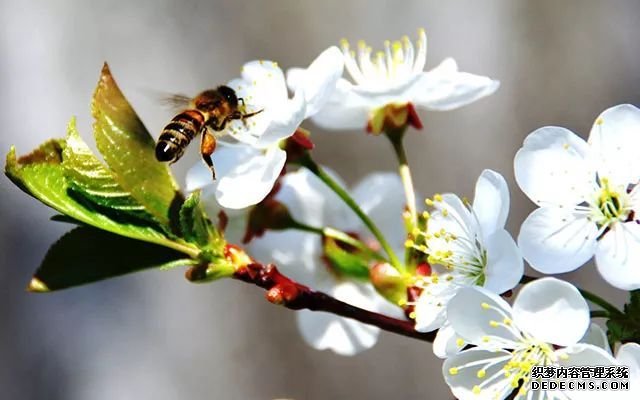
(282, 290)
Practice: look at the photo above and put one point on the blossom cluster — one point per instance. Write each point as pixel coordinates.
(459, 260)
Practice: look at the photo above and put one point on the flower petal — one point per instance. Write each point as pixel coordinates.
(462, 381)
(284, 121)
(447, 342)
(629, 355)
(551, 310)
(555, 240)
(596, 336)
(586, 355)
(431, 307)
(248, 131)
(319, 80)
(266, 81)
(345, 110)
(198, 177)
(618, 256)
(471, 311)
(246, 175)
(553, 167)
(381, 196)
(504, 262)
(614, 137)
(445, 88)
(341, 335)
(491, 201)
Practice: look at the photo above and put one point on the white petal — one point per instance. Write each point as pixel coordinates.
(586, 355)
(310, 201)
(470, 318)
(463, 382)
(551, 310)
(614, 138)
(491, 201)
(618, 256)
(504, 262)
(250, 130)
(297, 254)
(319, 80)
(345, 110)
(553, 167)
(554, 240)
(381, 197)
(446, 342)
(341, 335)
(431, 310)
(629, 355)
(283, 121)
(266, 81)
(246, 175)
(198, 177)
(445, 88)
(596, 336)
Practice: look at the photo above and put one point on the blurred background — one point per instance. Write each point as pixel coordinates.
(155, 336)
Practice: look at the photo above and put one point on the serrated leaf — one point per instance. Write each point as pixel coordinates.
(626, 327)
(129, 151)
(347, 261)
(89, 178)
(195, 226)
(87, 255)
(42, 175)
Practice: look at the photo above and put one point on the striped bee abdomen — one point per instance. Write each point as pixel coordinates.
(176, 136)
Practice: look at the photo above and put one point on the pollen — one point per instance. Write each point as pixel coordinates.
(453, 371)
(599, 121)
(261, 62)
(412, 315)
(459, 342)
(476, 389)
(428, 202)
(409, 243)
(437, 197)
(485, 306)
(445, 212)
(274, 64)
(493, 324)
(481, 374)
(566, 146)
(402, 302)
(426, 215)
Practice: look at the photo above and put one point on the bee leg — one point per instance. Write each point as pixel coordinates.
(243, 117)
(207, 146)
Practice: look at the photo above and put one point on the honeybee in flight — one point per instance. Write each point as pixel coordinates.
(207, 113)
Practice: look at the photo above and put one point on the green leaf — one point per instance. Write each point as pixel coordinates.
(129, 151)
(87, 255)
(346, 259)
(626, 327)
(41, 174)
(195, 226)
(90, 179)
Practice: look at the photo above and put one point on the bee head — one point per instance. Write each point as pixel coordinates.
(229, 95)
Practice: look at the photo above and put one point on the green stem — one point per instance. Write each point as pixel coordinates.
(395, 138)
(312, 166)
(340, 236)
(600, 314)
(592, 297)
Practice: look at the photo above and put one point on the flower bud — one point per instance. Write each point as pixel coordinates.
(269, 214)
(388, 282)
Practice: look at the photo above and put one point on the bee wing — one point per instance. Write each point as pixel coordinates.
(175, 101)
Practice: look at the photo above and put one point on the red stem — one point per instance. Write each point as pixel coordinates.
(282, 290)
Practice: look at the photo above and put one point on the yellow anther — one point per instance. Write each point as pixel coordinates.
(507, 321)
(426, 215)
(437, 197)
(344, 43)
(387, 43)
(515, 383)
(485, 339)
(412, 315)
(409, 243)
(421, 31)
(566, 146)
(445, 212)
(485, 306)
(428, 202)
(476, 389)
(481, 374)
(274, 64)
(564, 356)
(261, 62)
(599, 121)
(449, 277)
(466, 201)
(415, 232)
(453, 371)
(493, 324)
(405, 39)
(459, 342)
(402, 302)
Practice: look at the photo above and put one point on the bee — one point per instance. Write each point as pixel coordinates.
(206, 114)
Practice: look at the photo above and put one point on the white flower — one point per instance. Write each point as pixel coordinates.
(248, 168)
(629, 355)
(300, 254)
(548, 318)
(467, 246)
(588, 196)
(395, 77)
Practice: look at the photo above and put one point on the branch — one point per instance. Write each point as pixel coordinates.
(282, 290)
